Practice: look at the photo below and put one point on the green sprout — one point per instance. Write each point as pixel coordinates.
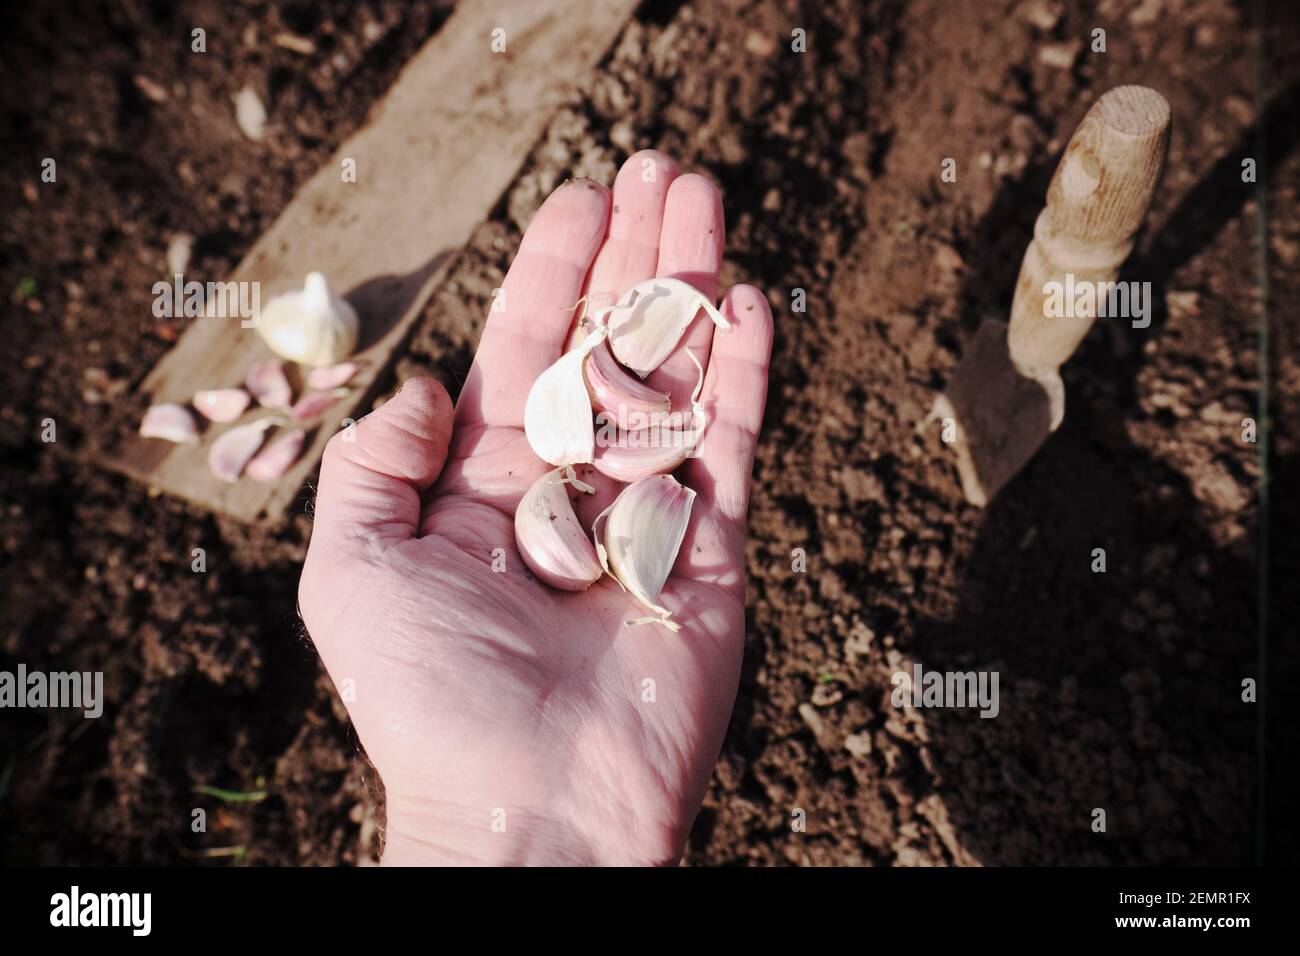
(231, 796)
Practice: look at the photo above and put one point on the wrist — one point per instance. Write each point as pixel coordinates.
(424, 833)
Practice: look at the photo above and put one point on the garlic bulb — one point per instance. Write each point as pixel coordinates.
(638, 537)
(550, 539)
(312, 327)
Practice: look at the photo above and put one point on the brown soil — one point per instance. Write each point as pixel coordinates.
(1119, 690)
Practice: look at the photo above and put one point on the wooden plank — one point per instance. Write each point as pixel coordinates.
(436, 155)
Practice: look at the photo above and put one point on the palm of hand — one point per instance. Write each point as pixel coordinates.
(510, 721)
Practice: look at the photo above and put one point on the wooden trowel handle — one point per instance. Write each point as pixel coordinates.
(1096, 203)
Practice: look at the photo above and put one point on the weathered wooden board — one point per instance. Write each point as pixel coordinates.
(434, 158)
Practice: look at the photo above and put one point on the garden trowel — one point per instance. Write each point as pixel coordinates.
(1006, 396)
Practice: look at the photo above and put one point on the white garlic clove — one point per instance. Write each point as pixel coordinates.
(627, 401)
(171, 422)
(221, 404)
(233, 450)
(557, 414)
(646, 324)
(250, 114)
(638, 536)
(313, 327)
(550, 538)
(267, 383)
(178, 253)
(274, 460)
(332, 376)
(313, 404)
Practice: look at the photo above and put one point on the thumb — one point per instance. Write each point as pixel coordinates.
(374, 472)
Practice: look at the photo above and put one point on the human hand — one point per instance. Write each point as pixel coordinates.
(510, 722)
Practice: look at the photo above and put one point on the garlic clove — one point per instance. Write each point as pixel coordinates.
(627, 458)
(557, 413)
(630, 402)
(274, 460)
(221, 404)
(179, 250)
(313, 327)
(550, 538)
(171, 422)
(332, 376)
(646, 324)
(639, 452)
(638, 536)
(267, 383)
(250, 114)
(232, 451)
(314, 404)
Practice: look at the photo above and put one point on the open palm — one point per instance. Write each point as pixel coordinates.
(509, 721)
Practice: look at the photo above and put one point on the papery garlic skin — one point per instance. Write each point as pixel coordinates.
(312, 327)
(557, 413)
(233, 450)
(170, 422)
(638, 536)
(646, 324)
(550, 538)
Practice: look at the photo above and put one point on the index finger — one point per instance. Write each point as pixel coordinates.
(530, 316)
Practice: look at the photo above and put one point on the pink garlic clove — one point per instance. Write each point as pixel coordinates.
(232, 451)
(268, 384)
(332, 376)
(551, 541)
(626, 458)
(628, 400)
(274, 460)
(170, 422)
(221, 404)
(643, 452)
(314, 404)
